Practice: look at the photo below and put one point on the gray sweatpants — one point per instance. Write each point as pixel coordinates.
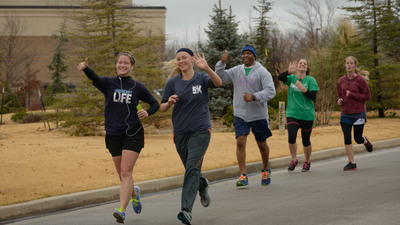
(192, 147)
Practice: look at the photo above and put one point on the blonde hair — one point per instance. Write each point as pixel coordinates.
(357, 70)
(172, 68)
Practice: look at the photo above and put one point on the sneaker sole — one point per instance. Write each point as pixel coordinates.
(242, 185)
(266, 183)
(349, 169)
(183, 218)
(118, 217)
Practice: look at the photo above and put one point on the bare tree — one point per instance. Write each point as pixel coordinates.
(13, 50)
(28, 85)
(314, 20)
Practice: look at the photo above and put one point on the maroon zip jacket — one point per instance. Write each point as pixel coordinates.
(359, 94)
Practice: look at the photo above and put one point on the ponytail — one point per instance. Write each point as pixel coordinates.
(172, 66)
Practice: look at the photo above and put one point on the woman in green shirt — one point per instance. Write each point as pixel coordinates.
(300, 111)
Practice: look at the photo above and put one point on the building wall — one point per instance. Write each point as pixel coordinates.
(42, 18)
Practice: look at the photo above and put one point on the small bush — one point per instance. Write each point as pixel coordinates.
(31, 118)
(228, 118)
(19, 115)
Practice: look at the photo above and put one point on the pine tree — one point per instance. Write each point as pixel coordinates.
(222, 35)
(374, 19)
(105, 28)
(57, 66)
(261, 36)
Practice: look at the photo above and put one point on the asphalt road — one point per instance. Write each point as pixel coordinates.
(325, 195)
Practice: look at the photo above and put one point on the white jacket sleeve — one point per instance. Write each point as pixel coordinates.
(225, 75)
(268, 91)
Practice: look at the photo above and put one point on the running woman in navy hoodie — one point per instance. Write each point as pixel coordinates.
(124, 131)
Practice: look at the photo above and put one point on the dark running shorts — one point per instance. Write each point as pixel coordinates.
(260, 128)
(116, 143)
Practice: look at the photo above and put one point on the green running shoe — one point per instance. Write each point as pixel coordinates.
(243, 181)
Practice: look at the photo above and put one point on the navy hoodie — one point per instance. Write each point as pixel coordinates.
(122, 95)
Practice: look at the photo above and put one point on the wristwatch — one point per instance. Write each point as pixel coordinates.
(253, 97)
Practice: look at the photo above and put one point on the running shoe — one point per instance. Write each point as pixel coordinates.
(204, 196)
(306, 167)
(293, 165)
(119, 214)
(350, 166)
(243, 181)
(136, 204)
(266, 176)
(185, 217)
(368, 145)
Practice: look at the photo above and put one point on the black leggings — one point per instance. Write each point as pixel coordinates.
(358, 131)
(293, 126)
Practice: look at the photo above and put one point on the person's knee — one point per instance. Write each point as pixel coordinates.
(241, 142)
(359, 140)
(125, 174)
(306, 143)
(292, 138)
(192, 171)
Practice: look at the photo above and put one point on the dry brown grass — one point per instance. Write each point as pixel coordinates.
(37, 163)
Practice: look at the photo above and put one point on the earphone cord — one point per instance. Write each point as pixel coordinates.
(129, 127)
(129, 113)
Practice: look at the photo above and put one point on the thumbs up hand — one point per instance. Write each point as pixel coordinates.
(83, 65)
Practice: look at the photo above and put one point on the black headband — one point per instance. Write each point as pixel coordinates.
(130, 56)
(185, 50)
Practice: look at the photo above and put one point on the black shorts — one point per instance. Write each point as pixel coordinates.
(116, 143)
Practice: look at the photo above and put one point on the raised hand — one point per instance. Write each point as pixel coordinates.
(224, 57)
(200, 61)
(292, 67)
(83, 65)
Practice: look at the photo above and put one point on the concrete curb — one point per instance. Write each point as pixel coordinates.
(73, 200)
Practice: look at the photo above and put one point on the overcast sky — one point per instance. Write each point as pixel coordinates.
(187, 19)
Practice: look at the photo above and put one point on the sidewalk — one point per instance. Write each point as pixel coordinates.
(73, 200)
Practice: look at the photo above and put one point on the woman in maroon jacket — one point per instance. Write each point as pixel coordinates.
(353, 92)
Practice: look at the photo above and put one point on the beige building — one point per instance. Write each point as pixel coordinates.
(40, 19)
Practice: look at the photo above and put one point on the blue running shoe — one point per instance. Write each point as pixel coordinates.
(243, 181)
(136, 204)
(266, 176)
(119, 214)
(185, 217)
